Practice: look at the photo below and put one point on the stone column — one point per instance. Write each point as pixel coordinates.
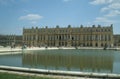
(56, 40)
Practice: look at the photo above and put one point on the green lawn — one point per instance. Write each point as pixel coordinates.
(14, 76)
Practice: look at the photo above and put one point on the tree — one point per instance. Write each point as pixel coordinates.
(69, 26)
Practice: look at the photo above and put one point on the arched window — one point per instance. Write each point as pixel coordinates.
(101, 44)
(96, 44)
(87, 44)
(90, 44)
(72, 38)
(59, 37)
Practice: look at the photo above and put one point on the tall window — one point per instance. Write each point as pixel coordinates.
(109, 37)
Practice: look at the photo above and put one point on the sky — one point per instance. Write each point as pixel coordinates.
(18, 14)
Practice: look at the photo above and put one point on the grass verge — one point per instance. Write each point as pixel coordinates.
(15, 76)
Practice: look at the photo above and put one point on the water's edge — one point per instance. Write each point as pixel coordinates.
(58, 72)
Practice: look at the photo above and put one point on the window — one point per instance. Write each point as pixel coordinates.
(109, 37)
(96, 30)
(105, 30)
(101, 30)
(109, 30)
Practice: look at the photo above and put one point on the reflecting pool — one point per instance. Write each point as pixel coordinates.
(100, 61)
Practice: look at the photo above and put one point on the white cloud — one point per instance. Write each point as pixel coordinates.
(109, 18)
(31, 17)
(33, 22)
(104, 20)
(113, 9)
(113, 13)
(110, 11)
(104, 9)
(67, 0)
(113, 6)
(97, 2)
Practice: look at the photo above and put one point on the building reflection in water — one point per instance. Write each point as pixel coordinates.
(71, 62)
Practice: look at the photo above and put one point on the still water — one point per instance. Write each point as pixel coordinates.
(100, 61)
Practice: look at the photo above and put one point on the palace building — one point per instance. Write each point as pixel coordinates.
(9, 40)
(117, 40)
(95, 36)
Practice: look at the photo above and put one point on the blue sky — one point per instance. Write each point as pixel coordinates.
(16, 14)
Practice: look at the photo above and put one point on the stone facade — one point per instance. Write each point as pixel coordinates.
(117, 40)
(95, 36)
(8, 40)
